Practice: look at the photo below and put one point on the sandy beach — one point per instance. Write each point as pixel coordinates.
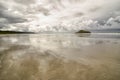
(59, 57)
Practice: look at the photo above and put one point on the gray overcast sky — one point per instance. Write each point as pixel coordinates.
(58, 15)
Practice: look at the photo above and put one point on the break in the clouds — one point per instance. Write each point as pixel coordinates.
(58, 15)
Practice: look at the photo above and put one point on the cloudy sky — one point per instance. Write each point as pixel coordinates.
(58, 15)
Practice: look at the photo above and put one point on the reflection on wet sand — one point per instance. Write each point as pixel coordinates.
(58, 57)
(83, 34)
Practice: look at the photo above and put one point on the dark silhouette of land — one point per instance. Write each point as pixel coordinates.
(15, 32)
(83, 31)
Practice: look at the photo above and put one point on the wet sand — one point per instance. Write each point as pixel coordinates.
(59, 57)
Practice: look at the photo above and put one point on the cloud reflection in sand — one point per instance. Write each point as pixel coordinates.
(58, 57)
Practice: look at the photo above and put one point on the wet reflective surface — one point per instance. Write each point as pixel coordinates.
(59, 57)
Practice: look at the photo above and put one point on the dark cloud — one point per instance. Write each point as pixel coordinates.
(8, 17)
(11, 18)
(2, 7)
(3, 25)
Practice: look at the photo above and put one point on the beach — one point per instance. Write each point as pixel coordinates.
(61, 56)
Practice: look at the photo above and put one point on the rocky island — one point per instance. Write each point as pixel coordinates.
(83, 31)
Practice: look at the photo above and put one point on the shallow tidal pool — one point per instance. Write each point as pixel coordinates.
(60, 57)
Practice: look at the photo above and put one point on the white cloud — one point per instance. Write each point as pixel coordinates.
(57, 15)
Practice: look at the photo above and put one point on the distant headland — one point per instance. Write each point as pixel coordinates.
(14, 32)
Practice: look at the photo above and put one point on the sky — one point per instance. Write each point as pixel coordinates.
(58, 15)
